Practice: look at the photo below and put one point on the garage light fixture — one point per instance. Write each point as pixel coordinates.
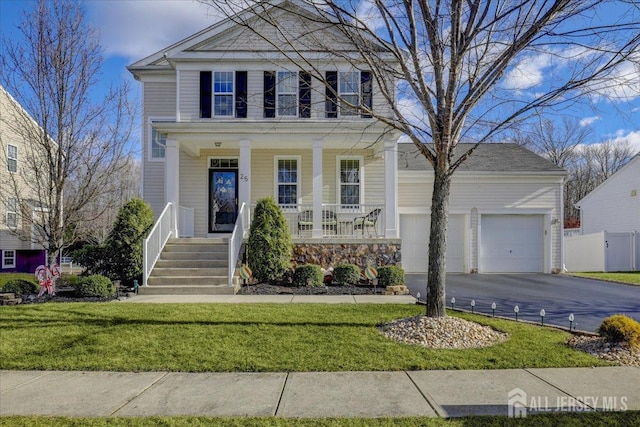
(516, 309)
(493, 309)
(542, 314)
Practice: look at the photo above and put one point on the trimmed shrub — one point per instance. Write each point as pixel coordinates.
(269, 247)
(68, 280)
(308, 275)
(618, 328)
(346, 274)
(95, 286)
(390, 275)
(21, 287)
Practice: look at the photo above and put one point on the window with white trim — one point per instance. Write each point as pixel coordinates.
(287, 180)
(8, 259)
(12, 212)
(350, 181)
(223, 93)
(158, 144)
(12, 158)
(287, 93)
(349, 91)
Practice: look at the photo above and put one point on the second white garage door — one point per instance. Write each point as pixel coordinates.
(511, 244)
(414, 231)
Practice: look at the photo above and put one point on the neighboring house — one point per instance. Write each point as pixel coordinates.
(18, 254)
(609, 225)
(505, 211)
(228, 120)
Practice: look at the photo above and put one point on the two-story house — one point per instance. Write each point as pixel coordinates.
(17, 198)
(230, 119)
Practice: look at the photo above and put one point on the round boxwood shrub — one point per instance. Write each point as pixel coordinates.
(618, 328)
(390, 275)
(21, 287)
(308, 275)
(269, 247)
(95, 286)
(346, 274)
(68, 280)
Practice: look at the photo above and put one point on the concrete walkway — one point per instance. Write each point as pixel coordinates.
(278, 299)
(318, 394)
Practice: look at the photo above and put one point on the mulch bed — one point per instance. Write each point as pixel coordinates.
(274, 289)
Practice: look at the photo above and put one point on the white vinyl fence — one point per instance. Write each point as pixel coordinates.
(602, 251)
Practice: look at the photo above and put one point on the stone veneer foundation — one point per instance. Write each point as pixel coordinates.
(361, 252)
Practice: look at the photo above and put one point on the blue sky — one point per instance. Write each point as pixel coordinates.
(133, 29)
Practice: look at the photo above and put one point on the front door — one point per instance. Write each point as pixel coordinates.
(223, 200)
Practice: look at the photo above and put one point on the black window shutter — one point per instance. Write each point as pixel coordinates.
(269, 94)
(366, 89)
(205, 94)
(331, 92)
(304, 82)
(241, 94)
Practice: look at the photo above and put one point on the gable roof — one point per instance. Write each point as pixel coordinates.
(223, 32)
(630, 165)
(489, 157)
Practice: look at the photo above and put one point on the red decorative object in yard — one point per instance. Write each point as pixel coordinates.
(46, 276)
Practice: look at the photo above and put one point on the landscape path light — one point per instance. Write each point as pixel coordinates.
(453, 302)
(493, 309)
(571, 319)
(516, 309)
(542, 314)
(473, 305)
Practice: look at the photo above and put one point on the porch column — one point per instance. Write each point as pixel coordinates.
(316, 231)
(172, 177)
(244, 174)
(390, 189)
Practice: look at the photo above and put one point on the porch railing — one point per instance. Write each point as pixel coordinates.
(156, 240)
(235, 241)
(185, 221)
(337, 221)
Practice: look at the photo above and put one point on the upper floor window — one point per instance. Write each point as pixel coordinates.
(223, 93)
(158, 144)
(12, 212)
(349, 90)
(12, 158)
(8, 259)
(287, 180)
(287, 87)
(350, 181)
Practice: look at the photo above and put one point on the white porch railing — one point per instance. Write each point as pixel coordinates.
(185, 221)
(156, 240)
(235, 241)
(338, 221)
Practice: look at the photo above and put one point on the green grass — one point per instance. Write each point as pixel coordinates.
(251, 338)
(631, 278)
(5, 277)
(592, 419)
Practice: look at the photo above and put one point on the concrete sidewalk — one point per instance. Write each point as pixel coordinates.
(277, 299)
(318, 394)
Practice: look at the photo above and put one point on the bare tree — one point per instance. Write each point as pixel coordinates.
(461, 66)
(81, 141)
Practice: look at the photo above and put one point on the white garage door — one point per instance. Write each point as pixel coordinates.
(414, 231)
(511, 244)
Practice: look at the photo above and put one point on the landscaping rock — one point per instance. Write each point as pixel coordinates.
(620, 353)
(442, 333)
(397, 290)
(9, 299)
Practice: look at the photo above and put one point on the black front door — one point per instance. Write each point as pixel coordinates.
(223, 200)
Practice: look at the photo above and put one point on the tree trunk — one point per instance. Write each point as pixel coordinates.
(436, 304)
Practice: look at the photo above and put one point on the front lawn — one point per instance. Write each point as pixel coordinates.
(630, 278)
(251, 338)
(593, 419)
(5, 277)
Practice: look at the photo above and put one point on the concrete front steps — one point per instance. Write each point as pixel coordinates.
(193, 266)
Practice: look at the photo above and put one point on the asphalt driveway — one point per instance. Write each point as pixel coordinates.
(590, 301)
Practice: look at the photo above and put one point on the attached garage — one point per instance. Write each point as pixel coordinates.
(511, 244)
(414, 232)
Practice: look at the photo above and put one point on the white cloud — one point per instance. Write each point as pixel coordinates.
(622, 84)
(527, 73)
(136, 29)
(632, 138)
(589, 120)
